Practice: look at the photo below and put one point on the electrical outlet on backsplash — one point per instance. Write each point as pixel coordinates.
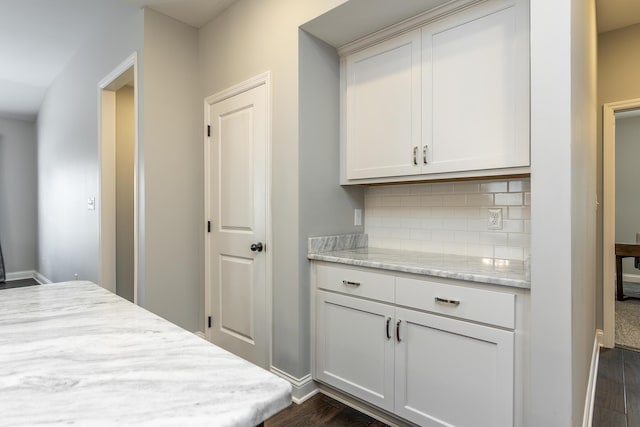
(451, 218)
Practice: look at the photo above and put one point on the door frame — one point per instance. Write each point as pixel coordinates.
(106, 175)
(256, 81)
(609, 215)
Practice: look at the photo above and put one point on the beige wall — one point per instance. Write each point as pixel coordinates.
(249, 38)
(125, 136)
(69, 151)
(627, 178)
(18, 194)
(171, 171)
(618, 65)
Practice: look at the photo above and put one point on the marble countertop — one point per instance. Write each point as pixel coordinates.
(74, 353)
(484, 270)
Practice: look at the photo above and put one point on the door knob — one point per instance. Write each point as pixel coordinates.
(257, 247)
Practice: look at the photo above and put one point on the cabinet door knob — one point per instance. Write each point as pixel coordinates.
(415, 156)
(256, 247)
(398, 330)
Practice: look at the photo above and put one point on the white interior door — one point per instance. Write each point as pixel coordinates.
(237, 203)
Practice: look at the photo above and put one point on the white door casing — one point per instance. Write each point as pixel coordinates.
(117, 78)
(236, 204)
(609, 215)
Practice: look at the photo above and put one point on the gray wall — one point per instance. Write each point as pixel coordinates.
(68, 150)
(18, 194)
(125, 135)
(172, 207)
(249, 38)
(627, 179)
(563, 172)
(326, 208)
(618, 65)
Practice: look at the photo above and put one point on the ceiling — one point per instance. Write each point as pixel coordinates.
(615, 14)
(39, 37)
(192, 12)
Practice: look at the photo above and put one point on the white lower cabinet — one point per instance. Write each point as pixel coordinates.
(428, 368)
(353, 352)
(452, 373)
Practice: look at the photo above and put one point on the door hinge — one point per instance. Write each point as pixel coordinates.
(209, 322)
(208, 226)
(208, 130)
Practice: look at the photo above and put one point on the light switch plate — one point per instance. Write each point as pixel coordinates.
(357, 217)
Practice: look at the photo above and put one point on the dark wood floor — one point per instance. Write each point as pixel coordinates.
(17, 283)
(321, 410)
(617, 400)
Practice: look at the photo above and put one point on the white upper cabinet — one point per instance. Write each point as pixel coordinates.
(383, 108)
(476, 98)
(448, 99)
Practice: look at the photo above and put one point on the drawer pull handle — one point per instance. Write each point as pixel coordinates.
(398, 330)
(348, 283)
(415, 156)
(424, 154)
(388, 333)
(447, 301)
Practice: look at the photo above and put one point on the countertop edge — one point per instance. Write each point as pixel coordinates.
(426, 271)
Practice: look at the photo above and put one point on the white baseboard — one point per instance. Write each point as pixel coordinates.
(27, 274)
(593, 375)
(40, 278)
(20, 275)
(302, 388)
(201, 334)
(632, 278)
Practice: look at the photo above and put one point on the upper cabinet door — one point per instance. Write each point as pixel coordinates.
(475, 78)
(382, 109)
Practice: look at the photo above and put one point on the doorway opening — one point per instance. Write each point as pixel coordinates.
(621, 210)
(118, 124)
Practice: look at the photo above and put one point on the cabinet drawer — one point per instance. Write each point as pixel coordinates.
(490, 307)
(356, 282)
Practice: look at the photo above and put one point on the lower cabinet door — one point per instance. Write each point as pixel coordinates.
(354, 347)
(453, 373)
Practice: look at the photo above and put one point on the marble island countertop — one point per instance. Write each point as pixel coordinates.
(74, 353)
(484, 270)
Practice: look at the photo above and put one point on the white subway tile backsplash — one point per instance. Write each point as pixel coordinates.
(521, 240)
(442, 212)
(455, 224)
(484, 251)
(465, 212)
(466, 187)
(519, 186)
(450, 218)
(508, 199)
(480, 200)
(443, 235)
(431, 200)
(513, 225)
(506, 252)
(454, 200)
(442, 187)
(492, 238)
(494, 187)
(519, 212)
